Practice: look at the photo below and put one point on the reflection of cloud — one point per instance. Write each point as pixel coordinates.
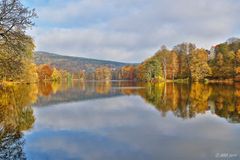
(127, 127)
(79, 145)
(91, 114)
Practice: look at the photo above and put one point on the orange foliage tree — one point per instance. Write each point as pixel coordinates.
(44, 72)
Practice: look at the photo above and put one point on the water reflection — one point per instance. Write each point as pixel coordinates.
(183, 100)
(16, 116)
(187, 101)
(107, 117)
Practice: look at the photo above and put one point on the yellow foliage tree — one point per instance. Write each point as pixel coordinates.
(199, 65)
(56, 75)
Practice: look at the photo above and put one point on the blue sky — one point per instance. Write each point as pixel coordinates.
(130, 30)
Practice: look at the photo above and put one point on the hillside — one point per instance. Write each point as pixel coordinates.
(74, 64)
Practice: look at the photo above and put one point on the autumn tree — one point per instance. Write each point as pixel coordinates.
(173, 65)
(56, 75)
(226, 55)
(149, 70)
(16, 48)
(64, 74)
(127, 72)
(82, 75)
(162, 66)
(29, 74)
(163, 57)
(14, 64)
(140, 72)
(237, 68)
(44, 72)
(183, 51)
(199, 65)
(103, 73)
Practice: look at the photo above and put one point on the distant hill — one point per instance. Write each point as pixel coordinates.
(74, 64)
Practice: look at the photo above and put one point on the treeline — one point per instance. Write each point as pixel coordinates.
(48, 73)
(185, 61)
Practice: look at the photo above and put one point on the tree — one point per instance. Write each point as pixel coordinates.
(16, 48)
(127, 72)
(219, 59)
(44, 72)
(149, 70)
(13, 59)
(103, 73)
(56, 75)
(173, 65)
(238, 57)
(223, 66)
(163, 57)
(29, 74)
(82, 75)
(198, 65)
(227, 52)
(237, 67)
(15, 19)
(183, 51)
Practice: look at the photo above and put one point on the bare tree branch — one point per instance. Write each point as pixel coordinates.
(14, 17)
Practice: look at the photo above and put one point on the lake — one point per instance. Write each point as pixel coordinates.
(120, 121)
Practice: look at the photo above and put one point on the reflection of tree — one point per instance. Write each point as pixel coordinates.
(199, 98)
(154, 95)
(182, 108)
(226, 101)
(167, 97)
(11, 146)
(16, 115)
(45, 88)
(103, 87)
(74, 91)
(186, 101)
(183, 100)
(237, 94)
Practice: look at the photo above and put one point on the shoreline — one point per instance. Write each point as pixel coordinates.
(184, 81)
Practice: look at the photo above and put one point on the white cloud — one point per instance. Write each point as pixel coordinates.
(132, 30)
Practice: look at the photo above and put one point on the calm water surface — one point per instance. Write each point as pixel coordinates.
(120, 121)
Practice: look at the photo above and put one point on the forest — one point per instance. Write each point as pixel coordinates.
(184, 62)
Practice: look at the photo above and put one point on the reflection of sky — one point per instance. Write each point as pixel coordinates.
(126, 128)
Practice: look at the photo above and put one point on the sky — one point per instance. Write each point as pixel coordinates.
(130, 30)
